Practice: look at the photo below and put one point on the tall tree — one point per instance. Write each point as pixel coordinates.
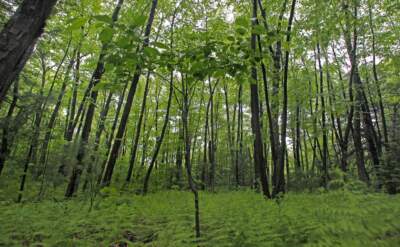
(259, 160)
(129, 101)
(95, 79)
(18, 39)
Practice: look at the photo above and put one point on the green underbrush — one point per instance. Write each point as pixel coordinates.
(242, 218)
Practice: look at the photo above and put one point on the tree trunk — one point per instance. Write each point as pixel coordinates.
(239, 138)
(96, 77)
(376, 79)
(6, 138)
(259, 160)
(229, 128)
(211, 144)
(99, 131)
(52, 120)
(137, 133)
(280, 185)
(324, 128)
(111, 134)
(18, 39)
(124, 119)
(161, 137)
(187, 137)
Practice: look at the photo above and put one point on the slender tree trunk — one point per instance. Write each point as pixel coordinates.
(124, 119)
(137, 133)
(280, 185)
(6, 137)
(204, 170)
(361, 107)
(362, 172)
(229, 128)
(111, 134)
(187, 137)
(96, 77)
(239, 138)
(161, 137)
(52, 120)
(70, 128)
(297, 139)
(323, 119)
(211, 144)
(99, 131)
(345, 139)
(31, 156)
(50, 126)
(34, 142)
(179, 156)
(259, 160)
(376, 79)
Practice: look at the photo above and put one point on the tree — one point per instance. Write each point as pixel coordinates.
(128, 105)
(18, 39)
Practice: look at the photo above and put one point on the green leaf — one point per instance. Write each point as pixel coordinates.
(139, 20)
(77, 23)
(150, 52)
(103, 18)
(258, 29)
(231, 38)
(242, 21)
(160, 45)
(241, 30)
(106, 35)
(123, 42)
(219, 73)
(100, 86)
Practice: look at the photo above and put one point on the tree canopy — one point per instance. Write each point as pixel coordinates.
(199, 95)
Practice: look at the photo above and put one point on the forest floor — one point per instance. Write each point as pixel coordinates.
(242, 218)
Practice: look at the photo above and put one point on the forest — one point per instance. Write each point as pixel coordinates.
(199, 123)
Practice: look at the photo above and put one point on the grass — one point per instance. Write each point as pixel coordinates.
(242, 218)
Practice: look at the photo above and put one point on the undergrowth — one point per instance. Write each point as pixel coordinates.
(242, 218)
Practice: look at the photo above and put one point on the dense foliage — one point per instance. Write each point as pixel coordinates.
(229, 219)
(134, 97)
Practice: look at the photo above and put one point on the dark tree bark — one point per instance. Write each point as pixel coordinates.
(280, 185)
(31, 156)
(6, 137)
(179, 156)
(72, 106)
(160, 138)
(124, 119)
(97, 139)
(358, 101)
(31, 151)
(137, 132)
(297, 142)
(135, 142)
(96, 77)
(187, 139)
(272, 124)
(343, 141)
(211, 143)
(323, 120)
(204, 169)
(259, 160)
(229, 127)
(376, 79)
(110, 137)
(239, 138)
(52, 120)
(18, 39)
